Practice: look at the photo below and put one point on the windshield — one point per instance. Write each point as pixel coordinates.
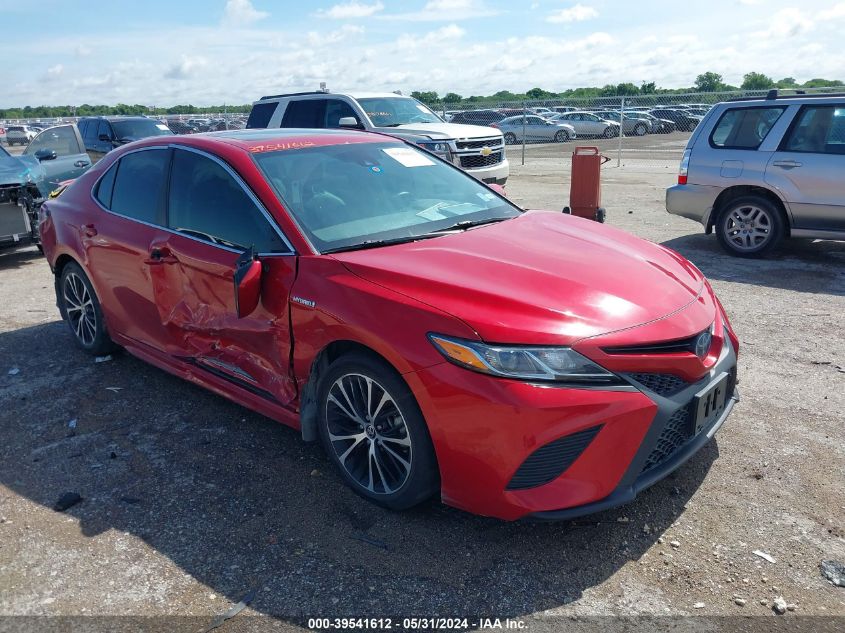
(139, 128)
(4, 153)
(345, 196)
(393, 111)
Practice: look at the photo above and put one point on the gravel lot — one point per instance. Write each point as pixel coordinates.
(192, 503)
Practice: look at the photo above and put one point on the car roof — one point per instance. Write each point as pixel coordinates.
(266, 140)
(352, 94)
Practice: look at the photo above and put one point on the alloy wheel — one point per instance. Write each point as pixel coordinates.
(79, 307)
(747, 227)
(368, 433)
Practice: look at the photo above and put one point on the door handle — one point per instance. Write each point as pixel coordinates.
(81, 163)
(88, 230)
(788, 164)
(161, 255)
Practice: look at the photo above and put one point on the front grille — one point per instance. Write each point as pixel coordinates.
(662, 384)
(664, 347)
(675, 434)
(479, 143)
(474, 162)
(550, 461)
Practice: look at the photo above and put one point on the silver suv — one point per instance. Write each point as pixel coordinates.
(759, 170)
(480, 151)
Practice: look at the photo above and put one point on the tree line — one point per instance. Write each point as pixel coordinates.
(705, 82)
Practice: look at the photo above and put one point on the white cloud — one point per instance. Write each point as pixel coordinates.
(445, 10)
(186, 67)
(834, 13)
(316, 38)
(433, 38)
(242, 13)
(82, 50)
(349, 10)
(789, 22)
(55, 71)
(577, 13)
(750, 2)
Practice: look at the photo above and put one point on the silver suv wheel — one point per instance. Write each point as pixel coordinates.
(749, 226)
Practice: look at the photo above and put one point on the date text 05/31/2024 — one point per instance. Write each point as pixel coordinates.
(422, 624)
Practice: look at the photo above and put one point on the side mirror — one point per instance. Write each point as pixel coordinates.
(46, 154)
(247, 283)
(350, 121)
(498, 189)
(105, 138)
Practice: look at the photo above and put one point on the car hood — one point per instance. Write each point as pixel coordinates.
(17, 170)
(446, 130)
(541, 278)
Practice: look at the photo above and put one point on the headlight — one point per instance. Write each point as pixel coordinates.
(436, 147)
(547, 364)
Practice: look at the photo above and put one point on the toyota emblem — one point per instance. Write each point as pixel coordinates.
(702, 344)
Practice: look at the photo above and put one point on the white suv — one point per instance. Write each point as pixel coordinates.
(20, 134)
(480, 151)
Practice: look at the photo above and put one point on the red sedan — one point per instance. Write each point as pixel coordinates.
(431, 334)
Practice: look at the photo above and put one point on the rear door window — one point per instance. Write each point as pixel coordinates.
(260, 115)
(140, 184)
(818, 129)
(305, 113)
(90, 135)
(744, 128)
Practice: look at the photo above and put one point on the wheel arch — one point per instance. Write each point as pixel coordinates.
(739, 191)
(324, 358)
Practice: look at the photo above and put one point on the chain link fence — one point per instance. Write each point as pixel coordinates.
(640, 131)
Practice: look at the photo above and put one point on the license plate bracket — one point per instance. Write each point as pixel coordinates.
(709, 404)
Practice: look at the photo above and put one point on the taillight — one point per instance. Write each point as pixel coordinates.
(684, 168)
(495, 125)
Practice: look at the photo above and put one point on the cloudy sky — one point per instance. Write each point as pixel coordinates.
(233, 51)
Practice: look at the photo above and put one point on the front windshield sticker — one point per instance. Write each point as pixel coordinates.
(408, 157)
(162, 127)
(486, 196)
(272, 147)
(422, 108)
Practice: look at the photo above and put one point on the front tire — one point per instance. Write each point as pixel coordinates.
(609, 132)
(374, 433)
(639, 129)
(80, 308)
(749, 226)
(561, 136)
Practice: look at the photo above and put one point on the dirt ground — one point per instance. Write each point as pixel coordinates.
(192, 503)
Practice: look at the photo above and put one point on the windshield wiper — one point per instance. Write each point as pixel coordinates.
(378, 243)
(467, 224)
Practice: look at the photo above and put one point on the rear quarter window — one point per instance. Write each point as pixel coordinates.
(744, 128)
(260, 115)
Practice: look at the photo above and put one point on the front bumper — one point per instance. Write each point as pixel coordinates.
(494, 174)
(694, 202)
(484, 429)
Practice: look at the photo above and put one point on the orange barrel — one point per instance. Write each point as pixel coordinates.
(585, 188)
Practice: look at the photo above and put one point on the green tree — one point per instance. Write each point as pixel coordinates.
(709, 82)
(626, 89)
(538, 93)
(426, 96)
(787, 82)
(648, 88)
(757, 81)
(452, 97)
(822, 83)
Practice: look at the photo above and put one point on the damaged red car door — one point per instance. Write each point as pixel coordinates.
(213, 218)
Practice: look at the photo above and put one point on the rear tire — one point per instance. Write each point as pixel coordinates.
(749, 226)
(510, 138)
(80, 308)
(640, 129)
(609, 132)
(373, 431)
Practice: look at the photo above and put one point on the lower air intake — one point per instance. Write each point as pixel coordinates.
(675, 434)
(550, 461)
